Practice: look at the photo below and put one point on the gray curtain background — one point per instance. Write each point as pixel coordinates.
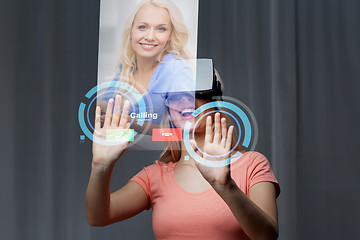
(295, 63)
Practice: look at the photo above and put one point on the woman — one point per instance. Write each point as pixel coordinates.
(154, 53)
(189, 200)
(153, 31)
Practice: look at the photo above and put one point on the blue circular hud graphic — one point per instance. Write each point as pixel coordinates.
(112, 88)
(242, 116)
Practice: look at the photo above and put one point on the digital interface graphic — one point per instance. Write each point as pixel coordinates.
(237, 113)
(138, 108)
(242, 119)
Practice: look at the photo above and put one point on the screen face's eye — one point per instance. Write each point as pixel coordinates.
(175, 97)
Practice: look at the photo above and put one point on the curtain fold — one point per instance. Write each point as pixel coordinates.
(295, 63)
(254, 49)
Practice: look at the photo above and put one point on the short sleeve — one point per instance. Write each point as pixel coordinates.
(182, 76)
(146, 177)
(175, 76)
(142, 178)
(260, 171)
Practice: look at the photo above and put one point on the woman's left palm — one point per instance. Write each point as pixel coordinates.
(217, 146)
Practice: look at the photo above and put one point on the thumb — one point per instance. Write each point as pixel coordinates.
(192, 143)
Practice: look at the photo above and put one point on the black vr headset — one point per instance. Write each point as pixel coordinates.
(208, 84)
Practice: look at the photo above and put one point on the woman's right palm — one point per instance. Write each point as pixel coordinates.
(114, 123)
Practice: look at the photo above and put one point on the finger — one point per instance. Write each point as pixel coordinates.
(125, 114)
(217, 131)
(97, 117)
(116, 114)
(108, 114)
(192, 143)
(208, 130)
(223, 131)
(229, 137)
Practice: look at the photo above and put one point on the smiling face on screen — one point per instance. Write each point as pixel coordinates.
(181, 106)
(150, 32)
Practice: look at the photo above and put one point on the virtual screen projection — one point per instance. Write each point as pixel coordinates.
(171, 113)
(171, 103)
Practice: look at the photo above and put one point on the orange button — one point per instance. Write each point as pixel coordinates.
(167, 134)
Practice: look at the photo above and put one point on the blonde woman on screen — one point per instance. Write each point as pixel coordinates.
(154, 53)
(155, 30)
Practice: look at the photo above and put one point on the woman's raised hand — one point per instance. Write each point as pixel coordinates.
(115, 121)
(217, 143)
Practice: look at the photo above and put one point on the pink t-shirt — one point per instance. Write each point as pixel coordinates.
(178, 214)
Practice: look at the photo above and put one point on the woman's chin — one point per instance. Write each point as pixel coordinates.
(180, 123)
(198, 129)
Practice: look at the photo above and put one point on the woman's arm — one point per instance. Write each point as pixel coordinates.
(257, 214)
(103, 208)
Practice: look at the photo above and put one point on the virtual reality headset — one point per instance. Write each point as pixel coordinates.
(208, 83)
(205, 85)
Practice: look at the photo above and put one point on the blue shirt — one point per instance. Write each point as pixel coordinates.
(173, 74)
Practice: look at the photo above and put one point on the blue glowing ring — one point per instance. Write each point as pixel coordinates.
(88, 108)
(237, 143)
(247, 133)
(110, 84)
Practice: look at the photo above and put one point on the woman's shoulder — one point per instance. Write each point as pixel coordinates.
(173, 75)
(250, 159)
(159, 166)
(255, 167)
(171, 57)
(175, 63)
(255, 155)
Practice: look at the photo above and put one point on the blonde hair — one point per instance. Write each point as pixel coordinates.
(172, 151)
(176, 45)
